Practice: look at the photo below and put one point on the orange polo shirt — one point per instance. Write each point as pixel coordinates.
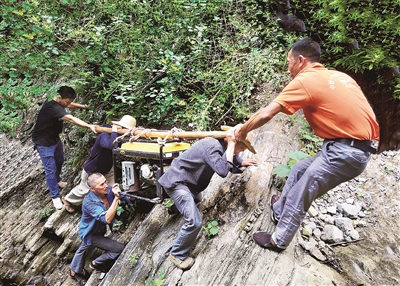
(332, 102)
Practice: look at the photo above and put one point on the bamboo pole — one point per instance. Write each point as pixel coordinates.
(149, 133)
(166, 134)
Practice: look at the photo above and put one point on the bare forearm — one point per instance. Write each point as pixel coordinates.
(76, 121)
(230, 151)
(78, 105)
(261, 117)
(110, 214)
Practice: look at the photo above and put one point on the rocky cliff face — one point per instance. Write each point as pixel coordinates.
(36, 249)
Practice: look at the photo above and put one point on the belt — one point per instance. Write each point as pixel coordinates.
(365, 145)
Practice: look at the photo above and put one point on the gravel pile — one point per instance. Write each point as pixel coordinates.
(337, 217)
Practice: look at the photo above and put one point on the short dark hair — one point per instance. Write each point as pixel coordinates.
(92, 178)
(308, 48)
(67, 92)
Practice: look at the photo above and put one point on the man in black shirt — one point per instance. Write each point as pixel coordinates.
(46, 139)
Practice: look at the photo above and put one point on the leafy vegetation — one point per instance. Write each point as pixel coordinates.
(283, 170)
(133, 258)
(159, 280)
(311, 142)
(44, 213)
(191, 64)
(117, 225)
(124, 212)
(357, 36)
(168, 203)
(211, 228)
(165, 63)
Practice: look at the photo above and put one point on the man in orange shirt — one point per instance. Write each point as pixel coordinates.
(337, 110)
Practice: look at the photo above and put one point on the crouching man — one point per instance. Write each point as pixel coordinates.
(189, 175)
(99, 208)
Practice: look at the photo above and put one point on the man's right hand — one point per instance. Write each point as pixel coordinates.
(230, 135)
(92, 127)
(116, 190)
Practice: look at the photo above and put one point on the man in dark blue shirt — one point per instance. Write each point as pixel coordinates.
(99, 208)
(99, 161)
(189, 175)
(46, 139)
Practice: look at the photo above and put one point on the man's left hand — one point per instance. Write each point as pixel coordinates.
(249, 162)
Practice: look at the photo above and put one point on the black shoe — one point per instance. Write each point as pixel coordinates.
(264, 240)
(102, 268)
(80, 279)
(173, 210)
(274, 199)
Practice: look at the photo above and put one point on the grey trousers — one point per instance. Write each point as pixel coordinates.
(185, 202)
(113, 250)
(311, 178)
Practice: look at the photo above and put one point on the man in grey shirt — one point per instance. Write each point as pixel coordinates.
(189, 175)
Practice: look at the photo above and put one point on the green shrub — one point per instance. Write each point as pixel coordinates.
(211, 228)
(44, 213)
(133, 258)
(158, 281)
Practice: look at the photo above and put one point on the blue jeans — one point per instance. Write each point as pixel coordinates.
(185, 202)
(311, 178)
(52, 158)
(113, 250)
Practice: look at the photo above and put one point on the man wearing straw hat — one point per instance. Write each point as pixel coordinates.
(99, 161)
(189, 175)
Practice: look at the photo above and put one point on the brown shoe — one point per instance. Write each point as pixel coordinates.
(62, 184)
(265, 240)
(185, 264)
(274, 199)
(68, 206)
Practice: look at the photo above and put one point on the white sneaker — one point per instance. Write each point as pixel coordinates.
(57, 203)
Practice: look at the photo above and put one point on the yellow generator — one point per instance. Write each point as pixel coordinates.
(138, 165)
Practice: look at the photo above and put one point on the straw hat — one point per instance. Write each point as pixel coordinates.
(126, 121)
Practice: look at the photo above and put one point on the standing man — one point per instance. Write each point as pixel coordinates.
(99, 161)
(46, 139)
(99, 208)
(337, 110)
(189, 175)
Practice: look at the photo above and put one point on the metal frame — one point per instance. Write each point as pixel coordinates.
(160, 156)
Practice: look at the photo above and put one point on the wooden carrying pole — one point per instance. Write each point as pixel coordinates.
(166, 134)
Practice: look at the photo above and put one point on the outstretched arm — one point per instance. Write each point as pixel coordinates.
(76, 121)
(78, 105)
(261, 117)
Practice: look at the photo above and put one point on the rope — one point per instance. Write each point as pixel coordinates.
(172, 133)
(143, 131)
(122, 136)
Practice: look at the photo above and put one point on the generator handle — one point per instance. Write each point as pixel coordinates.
(154, 201)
